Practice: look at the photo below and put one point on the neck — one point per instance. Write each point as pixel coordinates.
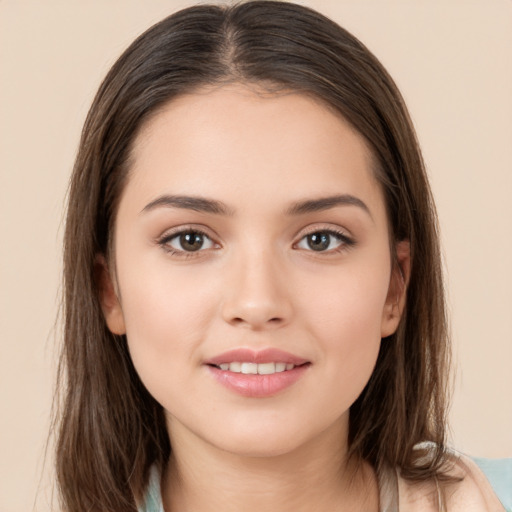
(317, 476)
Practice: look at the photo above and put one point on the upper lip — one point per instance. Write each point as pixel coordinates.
(246, 355)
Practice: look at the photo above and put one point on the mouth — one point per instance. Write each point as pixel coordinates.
(257, 374)
(248, 368)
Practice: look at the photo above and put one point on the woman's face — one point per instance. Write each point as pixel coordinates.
(253, 274)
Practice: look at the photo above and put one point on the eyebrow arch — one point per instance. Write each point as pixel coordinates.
(198, 204)
(325, 203)
(204, 205)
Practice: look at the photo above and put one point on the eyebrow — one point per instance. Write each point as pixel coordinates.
(325, 203)
(204, 205)
(198, 204)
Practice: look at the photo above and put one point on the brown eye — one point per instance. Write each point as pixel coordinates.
(191, 241)
(324, 241)
(188, 241)
(319, 241)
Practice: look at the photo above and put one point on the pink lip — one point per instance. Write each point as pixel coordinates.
(257, 386)
(268, 355)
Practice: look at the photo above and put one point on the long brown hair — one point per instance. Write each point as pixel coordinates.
(111, 431)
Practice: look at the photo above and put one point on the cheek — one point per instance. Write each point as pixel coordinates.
(167, 315)
(344, 315)
(348, 299)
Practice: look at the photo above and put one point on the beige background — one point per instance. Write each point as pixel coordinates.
(452, 60)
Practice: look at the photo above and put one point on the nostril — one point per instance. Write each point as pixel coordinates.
(256, 312)
(271, 321)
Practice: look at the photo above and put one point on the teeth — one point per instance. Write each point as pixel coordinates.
(235, 367)
(249, 368)
(256, 369)
(280, 367)
(266, 368)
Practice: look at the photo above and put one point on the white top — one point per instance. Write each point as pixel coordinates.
(473, 494)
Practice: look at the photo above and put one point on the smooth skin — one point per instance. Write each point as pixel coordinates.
(262, 263)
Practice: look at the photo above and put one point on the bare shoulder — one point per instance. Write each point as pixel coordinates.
(472, 493)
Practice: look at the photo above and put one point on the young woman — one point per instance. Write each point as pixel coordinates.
(253, 292)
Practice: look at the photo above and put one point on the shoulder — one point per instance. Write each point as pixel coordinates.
(499, 474)
(472, 492)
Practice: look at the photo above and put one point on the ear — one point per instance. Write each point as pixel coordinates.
(108, 296)
(397, 292)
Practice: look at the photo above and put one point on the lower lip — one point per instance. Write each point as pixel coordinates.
(258, 386)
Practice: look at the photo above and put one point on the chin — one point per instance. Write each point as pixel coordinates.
(272, 447)
(274, 438)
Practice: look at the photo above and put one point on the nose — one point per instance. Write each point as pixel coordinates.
(256, 295)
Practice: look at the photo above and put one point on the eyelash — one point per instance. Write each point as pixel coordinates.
(346, 242)
(165, 240)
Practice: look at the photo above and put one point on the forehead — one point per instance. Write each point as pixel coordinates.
(219, 141)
